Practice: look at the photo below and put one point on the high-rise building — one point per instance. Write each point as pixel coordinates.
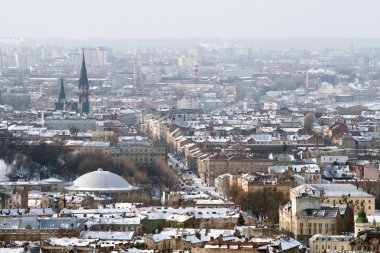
(101, 55)
(196, 71)
(83, 87)
(137, 75)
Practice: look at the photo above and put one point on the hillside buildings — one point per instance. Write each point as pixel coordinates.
(322, 209)
(205, 149)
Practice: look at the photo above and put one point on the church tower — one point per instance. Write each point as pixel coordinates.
(61, 103)
(83, 87)
(361, 223)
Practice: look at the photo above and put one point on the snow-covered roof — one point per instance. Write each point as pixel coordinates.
(96, 144)
(100, 180)
(52, 180)
(338, 190)
(108, 235)
(134, 250)
(65, 241)
(262, 137)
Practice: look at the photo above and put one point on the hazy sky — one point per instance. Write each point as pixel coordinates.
(190, 18)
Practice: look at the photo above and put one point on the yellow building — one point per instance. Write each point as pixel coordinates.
(324, 243)
(304, 216)
(138, 152)
(254, 183)
(96, 147)
(345, 193)
(216, 165)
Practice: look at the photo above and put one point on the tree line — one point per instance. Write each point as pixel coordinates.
(263, 205)
(44, 160)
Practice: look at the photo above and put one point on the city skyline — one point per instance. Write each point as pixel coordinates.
(189, 126)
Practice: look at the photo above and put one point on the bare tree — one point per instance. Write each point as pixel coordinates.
(309, 120)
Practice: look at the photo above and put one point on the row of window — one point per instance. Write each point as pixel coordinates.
(120, 228)
(356, 201)
(139, 160)
(328, 247)
(316, 224)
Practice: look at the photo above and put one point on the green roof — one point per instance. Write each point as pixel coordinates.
(362, 216)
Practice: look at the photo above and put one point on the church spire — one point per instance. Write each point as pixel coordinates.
(83, 80)
(61, 102)
(83, 87)
(62, 95)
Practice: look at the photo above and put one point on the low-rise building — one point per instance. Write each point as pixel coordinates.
(140, 151)
(14, 197)
(36, 229)
(254, 183)
(344, 193)
(330, 243)
(305, 216)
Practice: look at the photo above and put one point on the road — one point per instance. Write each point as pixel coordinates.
(187, 175)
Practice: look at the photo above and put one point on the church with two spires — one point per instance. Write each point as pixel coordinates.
(81, 106)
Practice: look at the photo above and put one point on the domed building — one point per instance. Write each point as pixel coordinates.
(101, 182)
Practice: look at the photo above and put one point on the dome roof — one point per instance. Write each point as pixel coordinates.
(102, 181)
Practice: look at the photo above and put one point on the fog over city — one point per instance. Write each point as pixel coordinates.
(178, 126)
(120, 19)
